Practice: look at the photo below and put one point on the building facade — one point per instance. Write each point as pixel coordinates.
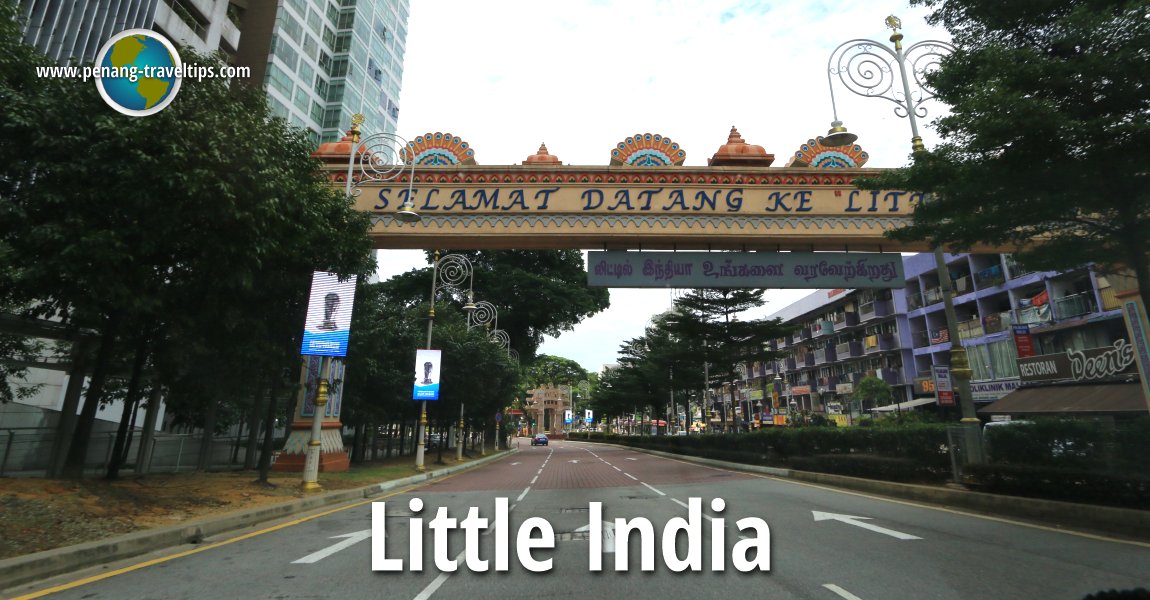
(843, 335)
(322, 61)
(74, 31)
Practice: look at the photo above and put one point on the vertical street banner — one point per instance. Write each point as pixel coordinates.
(588, 416)
(943, 390)
(1138, 325)
(328, 321)
(1023, 342)
(427, 363)
(567, 417)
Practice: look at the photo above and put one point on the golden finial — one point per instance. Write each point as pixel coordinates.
(894, 22)
(356, 120)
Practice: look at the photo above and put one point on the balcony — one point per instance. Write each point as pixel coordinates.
(804, 333)
(890, 376)
(962, 285)
(885, 341)
(1032, 314)
(825, 355)
(1074, 306)
(914, 300)
(970, 329)
(851, 349)
(1016, 270)
(791, 363)
(997, 322)
(876, 309)
(808, 360)
(846, 320)
(930, 337)
(781, 343)
(932, 296)
(990, 277)
(822, 328)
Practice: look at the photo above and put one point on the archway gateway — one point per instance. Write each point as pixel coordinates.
(644, 199)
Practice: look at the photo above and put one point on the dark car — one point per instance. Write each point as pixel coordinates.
(539, 440)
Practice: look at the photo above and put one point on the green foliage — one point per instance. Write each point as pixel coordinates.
(872, 392)
(554, 370)
(1047, 135)
(1129, 489)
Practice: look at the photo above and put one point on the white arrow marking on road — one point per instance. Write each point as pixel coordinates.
(352, 539)
(608, 535)
(630, 459)
(857, 522)
(516, 463)
(573, 461)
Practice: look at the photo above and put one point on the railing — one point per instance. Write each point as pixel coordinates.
(822, 328)
(846, 320)
(890, 376)
(1032, 314)
(1073, 306)
(809, 360)
(932, 296)
(851, 349)
(962, 285)
(1016, 270)
(878, 308)
(970, 329)
(805, 333)
(993, 323)
(824, 355)
(29, 450)
(914, 300)
(791, 363)
(930, 337)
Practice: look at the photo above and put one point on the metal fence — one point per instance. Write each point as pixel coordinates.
(29, 451)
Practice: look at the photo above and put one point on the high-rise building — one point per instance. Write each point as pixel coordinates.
(74, 30)
(321, 61)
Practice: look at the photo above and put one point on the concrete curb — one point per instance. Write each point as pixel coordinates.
(42, 565)
(1087, 518)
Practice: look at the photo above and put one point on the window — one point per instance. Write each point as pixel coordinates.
(290, 26)
(286, 54)
(339, 67)
(314, 21)
(277, 108)
(306, 73)
(342, 42)
(324, 61)
(308, 45)
(331, 118)
(346, 20)
(328, 37)
(320, 86)
(335, 92)
(316, 112)
(302, 99)
(279, 80)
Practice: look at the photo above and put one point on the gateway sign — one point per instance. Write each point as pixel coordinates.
(1093, 364)
(794, 270)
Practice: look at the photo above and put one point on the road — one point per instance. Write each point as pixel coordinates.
(823, 543)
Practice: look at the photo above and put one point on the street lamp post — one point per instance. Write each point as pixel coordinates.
(449, 271)
(866, 68)
(487, 315)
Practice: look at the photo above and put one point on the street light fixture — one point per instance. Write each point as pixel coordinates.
(866, 68)
(381, 157)
(449, 271)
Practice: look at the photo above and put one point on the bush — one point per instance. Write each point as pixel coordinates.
(1070, 485)
(868, 466)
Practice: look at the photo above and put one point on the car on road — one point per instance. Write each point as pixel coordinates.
(539, 440)
(434, 440)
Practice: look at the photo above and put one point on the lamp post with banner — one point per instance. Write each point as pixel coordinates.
(866, 68)
(450, 271)
(326, 331)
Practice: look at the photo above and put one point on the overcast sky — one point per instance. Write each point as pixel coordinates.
(582, 75)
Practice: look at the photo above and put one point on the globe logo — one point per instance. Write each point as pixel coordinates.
(139, 72)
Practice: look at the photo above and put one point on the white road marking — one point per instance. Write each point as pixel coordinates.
(841, 592)
(534, 479)
(352, 539)
(631, 476)
(653, 489)
(617, 468)
(520, 498)
(434, 585)
(858, 522)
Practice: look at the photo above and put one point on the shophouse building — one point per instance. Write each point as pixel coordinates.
(843, 335)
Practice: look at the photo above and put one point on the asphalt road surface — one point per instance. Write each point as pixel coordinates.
(821, 543)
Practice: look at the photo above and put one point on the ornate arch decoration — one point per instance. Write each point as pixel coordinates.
(648, 150)
(439, 149)
(815, 154)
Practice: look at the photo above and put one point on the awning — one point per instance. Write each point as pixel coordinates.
(905, 405)
(1108, 398)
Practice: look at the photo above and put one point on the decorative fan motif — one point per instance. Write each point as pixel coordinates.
(648, 150)
(815, 154)
(439, 149)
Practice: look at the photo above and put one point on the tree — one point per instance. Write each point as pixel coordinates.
(203, 222)
(873, 391)
(1047, 136)
(555, 370)
(537, 292)
(708, 319)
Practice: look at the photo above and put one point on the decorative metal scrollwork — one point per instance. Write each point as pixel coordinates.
(485, 313)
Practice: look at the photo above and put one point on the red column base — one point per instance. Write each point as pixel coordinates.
(329, 462)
